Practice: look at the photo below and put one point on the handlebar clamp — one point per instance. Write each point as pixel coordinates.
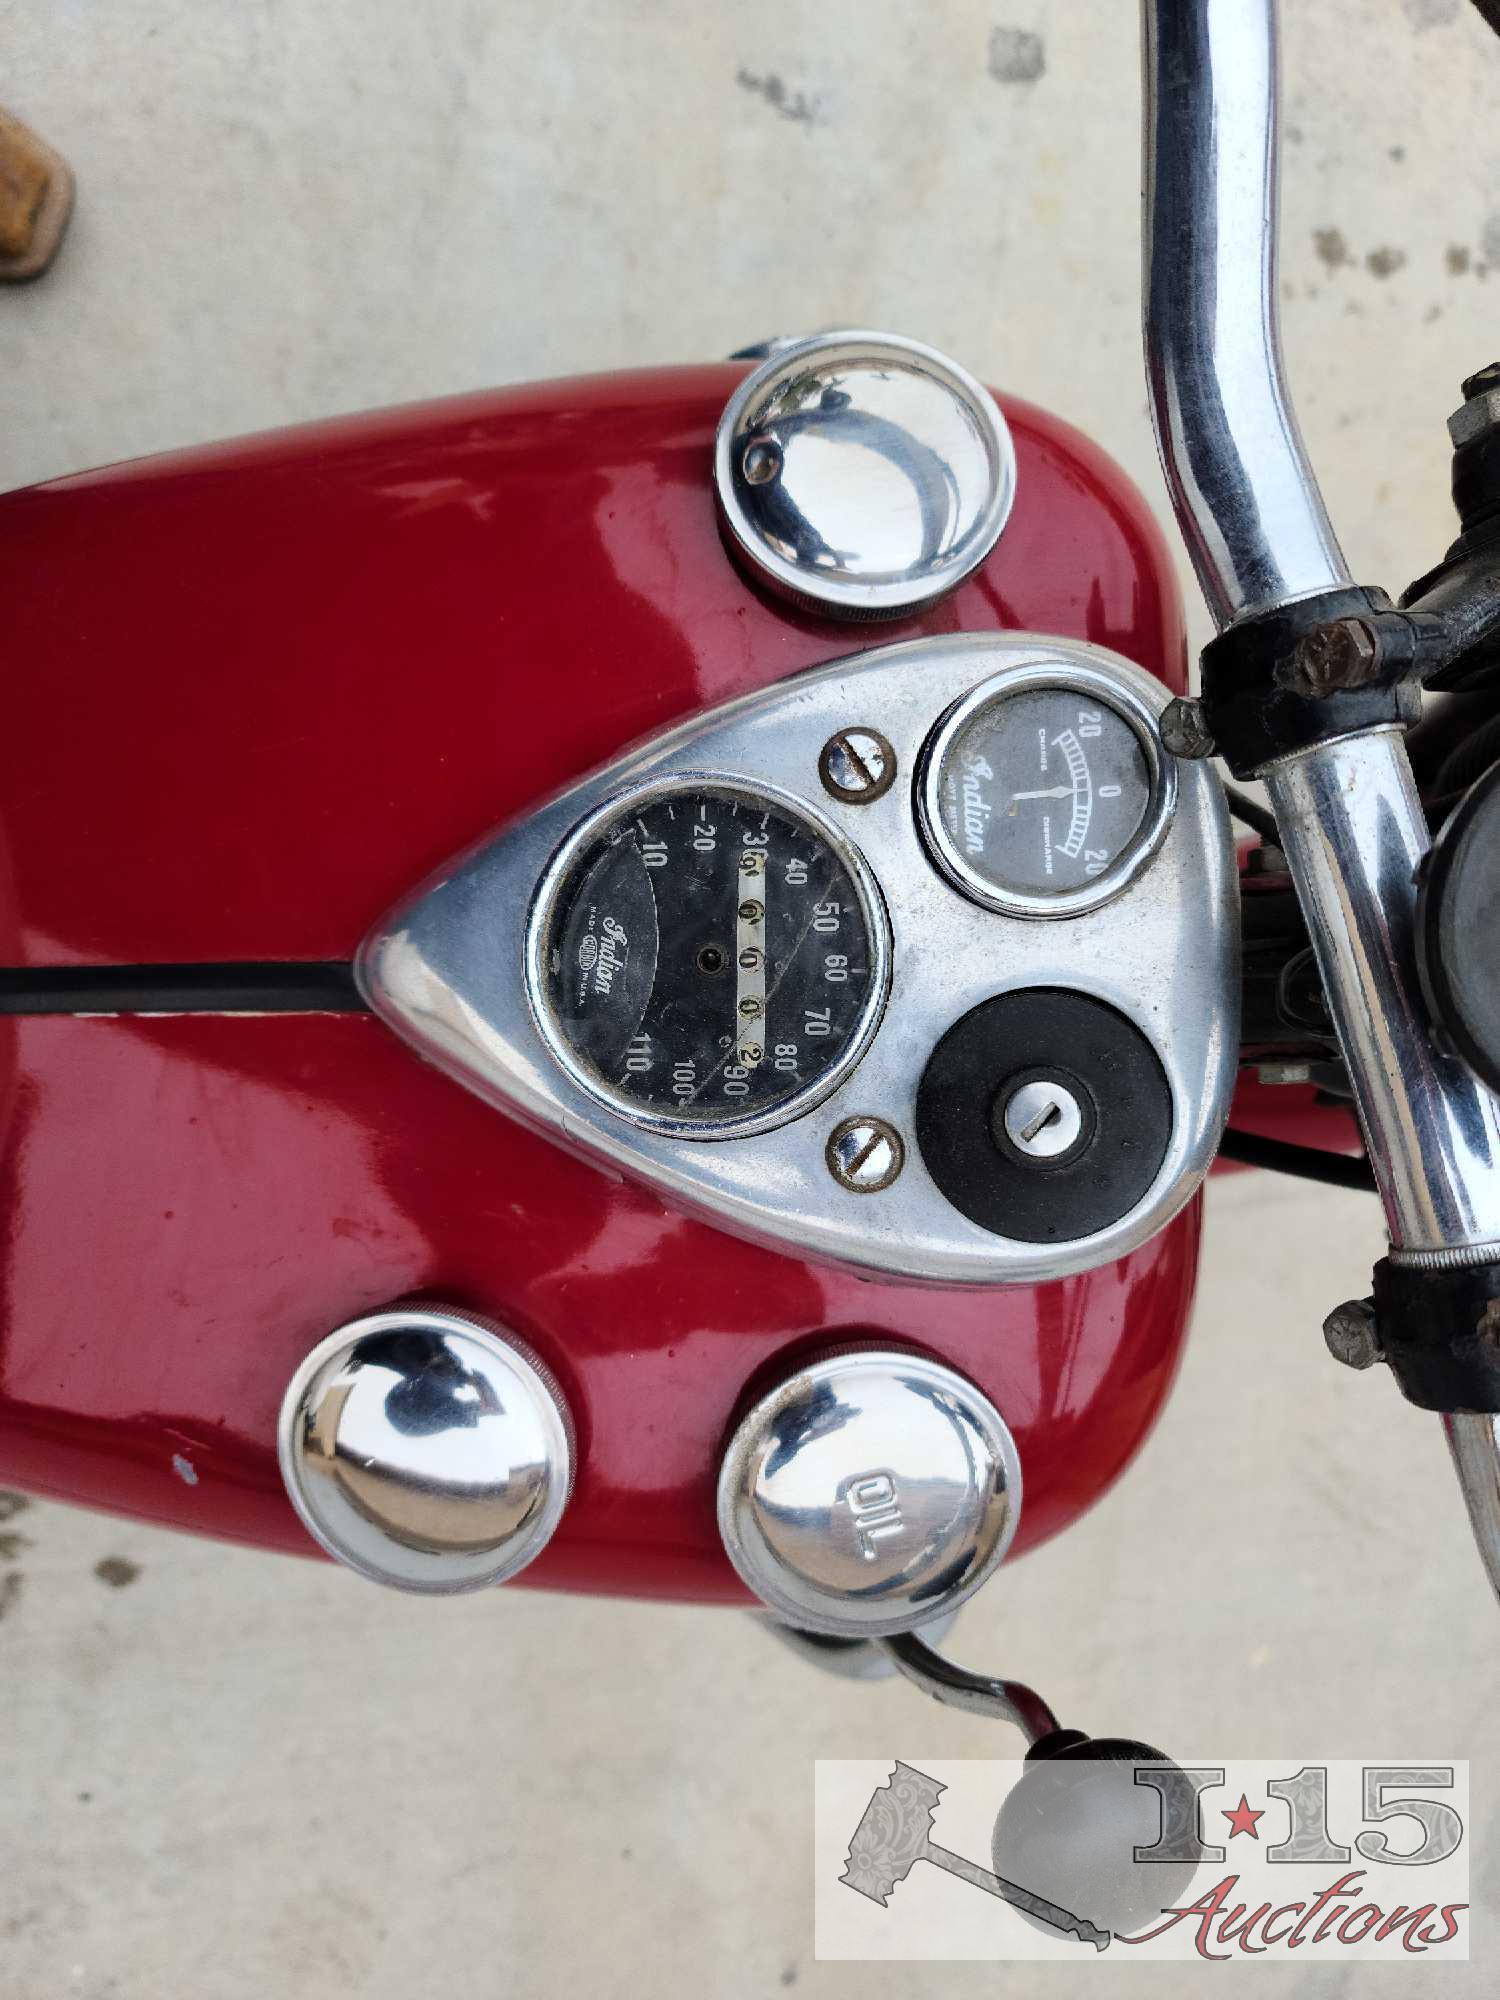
(1313, 669)
(1439, 1328)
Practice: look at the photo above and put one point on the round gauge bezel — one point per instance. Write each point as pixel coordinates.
(546, 908)
(1072, 677)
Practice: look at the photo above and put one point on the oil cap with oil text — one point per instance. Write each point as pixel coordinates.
(869, 1493)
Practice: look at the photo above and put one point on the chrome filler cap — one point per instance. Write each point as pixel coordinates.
(427, 1449)
(862, 475)
(869, 1494)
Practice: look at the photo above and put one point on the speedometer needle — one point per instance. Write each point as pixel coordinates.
(1056, 792)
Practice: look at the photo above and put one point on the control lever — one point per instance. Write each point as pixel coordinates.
(1072, 1826)
(976, 1694)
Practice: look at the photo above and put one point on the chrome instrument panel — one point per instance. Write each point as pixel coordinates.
(448, 969)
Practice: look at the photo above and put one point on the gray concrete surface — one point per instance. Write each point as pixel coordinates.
(228, 1776)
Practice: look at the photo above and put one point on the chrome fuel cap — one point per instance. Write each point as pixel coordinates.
(861, 474)
(870, 1493)
(427, 1449)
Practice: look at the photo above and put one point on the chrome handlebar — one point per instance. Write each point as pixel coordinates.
(1244, 493)
(1249, 507)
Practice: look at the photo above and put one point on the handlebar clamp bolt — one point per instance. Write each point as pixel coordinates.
(1352, 1335)
(1184, 731)
(1332, 658)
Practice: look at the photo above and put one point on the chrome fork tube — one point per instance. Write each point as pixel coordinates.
(1354, 834)
(1255, 524)
(1474, 1441)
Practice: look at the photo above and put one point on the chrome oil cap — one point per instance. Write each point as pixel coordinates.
(861, 474)
(870, 1493)
(428, 1449)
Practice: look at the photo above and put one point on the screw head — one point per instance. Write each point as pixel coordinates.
(865, 1154)
(858, 766)
(1184, 731)
(1352, 1335)
(1480, 385)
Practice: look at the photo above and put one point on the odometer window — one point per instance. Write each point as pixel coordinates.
(709, 959)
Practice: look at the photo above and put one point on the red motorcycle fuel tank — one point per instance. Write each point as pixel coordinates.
(252, 695)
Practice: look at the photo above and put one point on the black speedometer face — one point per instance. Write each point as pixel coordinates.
(1039, 793)
(709, 960)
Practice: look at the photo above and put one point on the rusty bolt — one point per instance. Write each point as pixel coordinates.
(1184, 730)
(1332, 658)
(1352, 1336)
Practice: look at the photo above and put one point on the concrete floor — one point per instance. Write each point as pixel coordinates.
(231, 1776)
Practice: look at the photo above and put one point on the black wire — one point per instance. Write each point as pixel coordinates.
(1258, 818)
(1312, 1163)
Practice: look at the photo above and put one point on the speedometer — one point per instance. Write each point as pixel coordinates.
(1043, 793)
(707, 959)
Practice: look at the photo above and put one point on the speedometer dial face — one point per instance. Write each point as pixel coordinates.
(711, 960)
(1037, 797)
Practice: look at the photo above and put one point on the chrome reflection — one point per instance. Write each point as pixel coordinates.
(427, 1450)
(863, 474)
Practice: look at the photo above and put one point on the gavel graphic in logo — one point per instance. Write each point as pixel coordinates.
(896, 1833)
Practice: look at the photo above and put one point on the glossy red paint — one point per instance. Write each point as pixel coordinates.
(253, 694)
(193, 1202)
(1295, 1112)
